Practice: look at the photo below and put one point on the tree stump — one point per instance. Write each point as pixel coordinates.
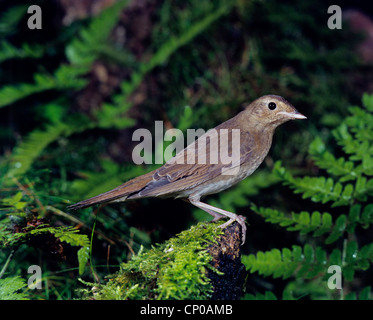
(227, 259)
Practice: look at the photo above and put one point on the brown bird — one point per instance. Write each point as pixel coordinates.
(214, 162)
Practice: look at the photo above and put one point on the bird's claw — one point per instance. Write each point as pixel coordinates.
(241, 221)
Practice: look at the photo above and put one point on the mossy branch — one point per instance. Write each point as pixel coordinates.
(183, 267)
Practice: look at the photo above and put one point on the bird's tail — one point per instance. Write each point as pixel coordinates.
(122, 192)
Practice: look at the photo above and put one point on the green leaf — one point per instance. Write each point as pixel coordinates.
(354, 213)
(365, 294)
(8, 51)
(304, 218)
(10, 289)
(340, 223)
(321, 256)
(65, 77)
(335, 257)
(367, 214)
(334, 236)
(85, 48)
(308, 253)
(69, 235)
(367, 164)
(10, 18)
(83, 257)
(351, 251)
(27, 151)
(316, 219)
(368, 101)
(350, 296)
(326, 220)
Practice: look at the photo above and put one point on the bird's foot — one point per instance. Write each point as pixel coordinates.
(220, 213)
(241, 221)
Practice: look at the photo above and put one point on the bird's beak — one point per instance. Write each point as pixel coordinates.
(293, 115)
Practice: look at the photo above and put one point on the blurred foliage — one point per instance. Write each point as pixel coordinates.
(71, 94)
(10, 289)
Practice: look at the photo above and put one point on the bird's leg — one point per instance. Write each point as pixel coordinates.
(217, 216)
(218, 213)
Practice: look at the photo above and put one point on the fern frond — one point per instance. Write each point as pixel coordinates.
(84, 49)
(10, 18)
(304, 222)
(110, 116)
(304, 262)
(337, 167)
(27, 151)
(274, 262)
(360, 123)
(10, 288)
(319, 189)
(354, 134)
(319, 223)
(8, 51)
(66, 76)
(367, 101)
(356, 258)
(365, 294)
(309, 262)
(66, 234)
(350, 145)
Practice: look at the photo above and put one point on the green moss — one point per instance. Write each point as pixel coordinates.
(175, 269)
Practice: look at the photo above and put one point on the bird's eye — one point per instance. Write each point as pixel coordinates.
(272, 106)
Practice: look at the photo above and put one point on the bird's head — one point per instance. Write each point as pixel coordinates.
(271, 111)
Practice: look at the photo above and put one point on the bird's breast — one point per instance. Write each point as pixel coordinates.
(253, 151)
(220, 183)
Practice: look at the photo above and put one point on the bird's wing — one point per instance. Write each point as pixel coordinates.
(173, 177)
